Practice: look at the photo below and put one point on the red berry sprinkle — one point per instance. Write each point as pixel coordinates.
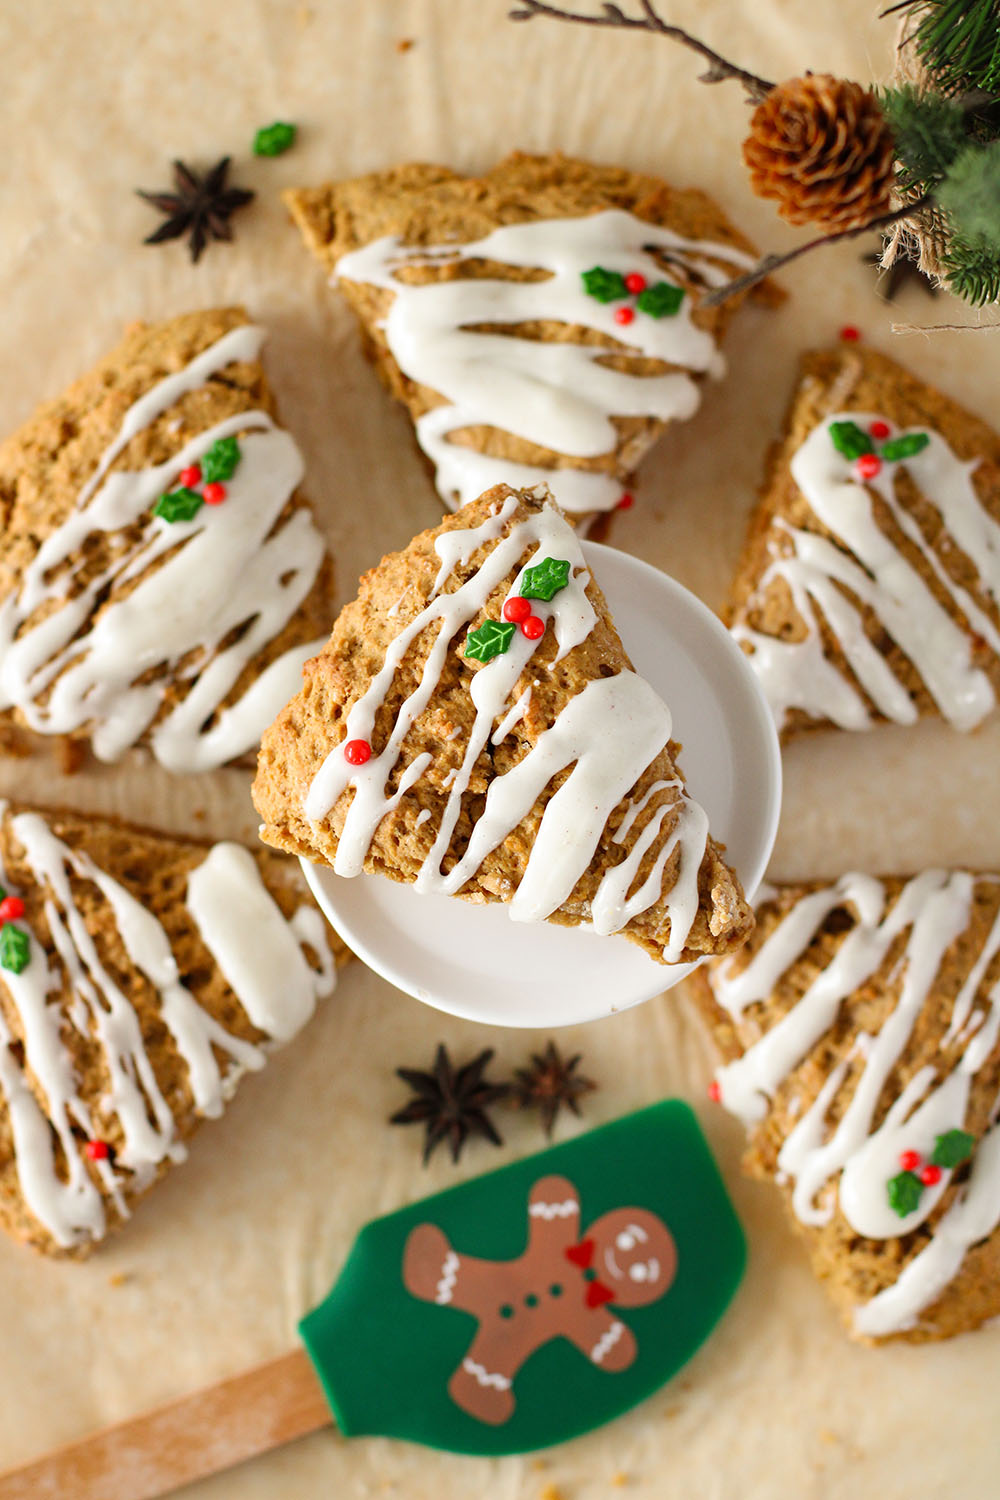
(517, 609)
(636, 282)
(214, 493)
(624, 314)
(715, 1091)
(11, 907)
(191, 476)
(850, 334)
(868, 465)
(97, 1150)
(909, 1160)
(357, 752)
(930, 1175)
(533, 628)
(627, 501)
(880, 429)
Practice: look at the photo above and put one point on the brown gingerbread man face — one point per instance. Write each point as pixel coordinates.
(634, 1255)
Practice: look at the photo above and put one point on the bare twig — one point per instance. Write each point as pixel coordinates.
(772, 263)
(612, 15)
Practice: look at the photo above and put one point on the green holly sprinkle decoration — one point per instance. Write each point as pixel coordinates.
(178, 505)
(850, 439)
(546, 579)
(661, 300)
(220, 460)
(605, 286)
(952, 1148)
(15, 948)
(904, 447)
(491, 639)
(272, 140)
(904, 1193)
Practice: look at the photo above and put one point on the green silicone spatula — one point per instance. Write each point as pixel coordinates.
(511, 1312)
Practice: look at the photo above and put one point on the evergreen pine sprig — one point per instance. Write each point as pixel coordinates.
(929, 130)
(949, 152)
(957, 41)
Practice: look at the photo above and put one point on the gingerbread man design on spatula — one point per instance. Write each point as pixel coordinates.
(565, 1285)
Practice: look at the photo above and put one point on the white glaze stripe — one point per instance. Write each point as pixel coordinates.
(797, 674)
(609, 733)
(557, 395)
(232, 565)
(850, 1161)
(64, 1198)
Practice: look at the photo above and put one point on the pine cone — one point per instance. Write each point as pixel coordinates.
(822, 146)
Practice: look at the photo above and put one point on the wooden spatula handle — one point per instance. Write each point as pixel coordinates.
(186, 1440)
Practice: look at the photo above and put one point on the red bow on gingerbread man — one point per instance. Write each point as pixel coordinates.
(598, 1292)
(628, 1258)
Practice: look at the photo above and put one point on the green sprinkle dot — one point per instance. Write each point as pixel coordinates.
(904, 1192)
(15, 948)
(546, 579)
(952, 1148)
(220, 460)
(604, 285)
(590, 1274)
(178, 505)
(492, 639)
(906, 446)
(506, 1311)
(555, 1290)
(661, 300)
(850, 440)
(531, 1300)
(272, 140)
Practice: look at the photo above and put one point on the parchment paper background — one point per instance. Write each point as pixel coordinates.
(219, 1263)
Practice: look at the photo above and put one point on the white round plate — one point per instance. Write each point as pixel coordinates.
(473, 961)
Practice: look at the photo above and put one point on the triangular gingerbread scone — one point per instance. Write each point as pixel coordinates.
(869, 587)
(474, 727)
(544, 317)
(161, 578)
(141, 976)
(860, 1030)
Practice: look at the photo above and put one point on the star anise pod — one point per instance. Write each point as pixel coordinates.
(200, 208)
(451, 1104)
(549, 1082)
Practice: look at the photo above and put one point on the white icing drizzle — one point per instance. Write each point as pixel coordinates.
(558, 395)
(516, 714)
(851, 1161)
(60, 1193)
(608, 733)
(797, 674)
(226, 568)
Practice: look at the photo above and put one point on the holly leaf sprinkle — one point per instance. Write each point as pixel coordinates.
(850, 439)
(661, 300)
(904, 447)
(220, 460)
(272, 140)
(491, 639)
(15, 948)
(904, 1190)
(952, 1148)
(178, 505)
(546, 579)
(605, 286)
